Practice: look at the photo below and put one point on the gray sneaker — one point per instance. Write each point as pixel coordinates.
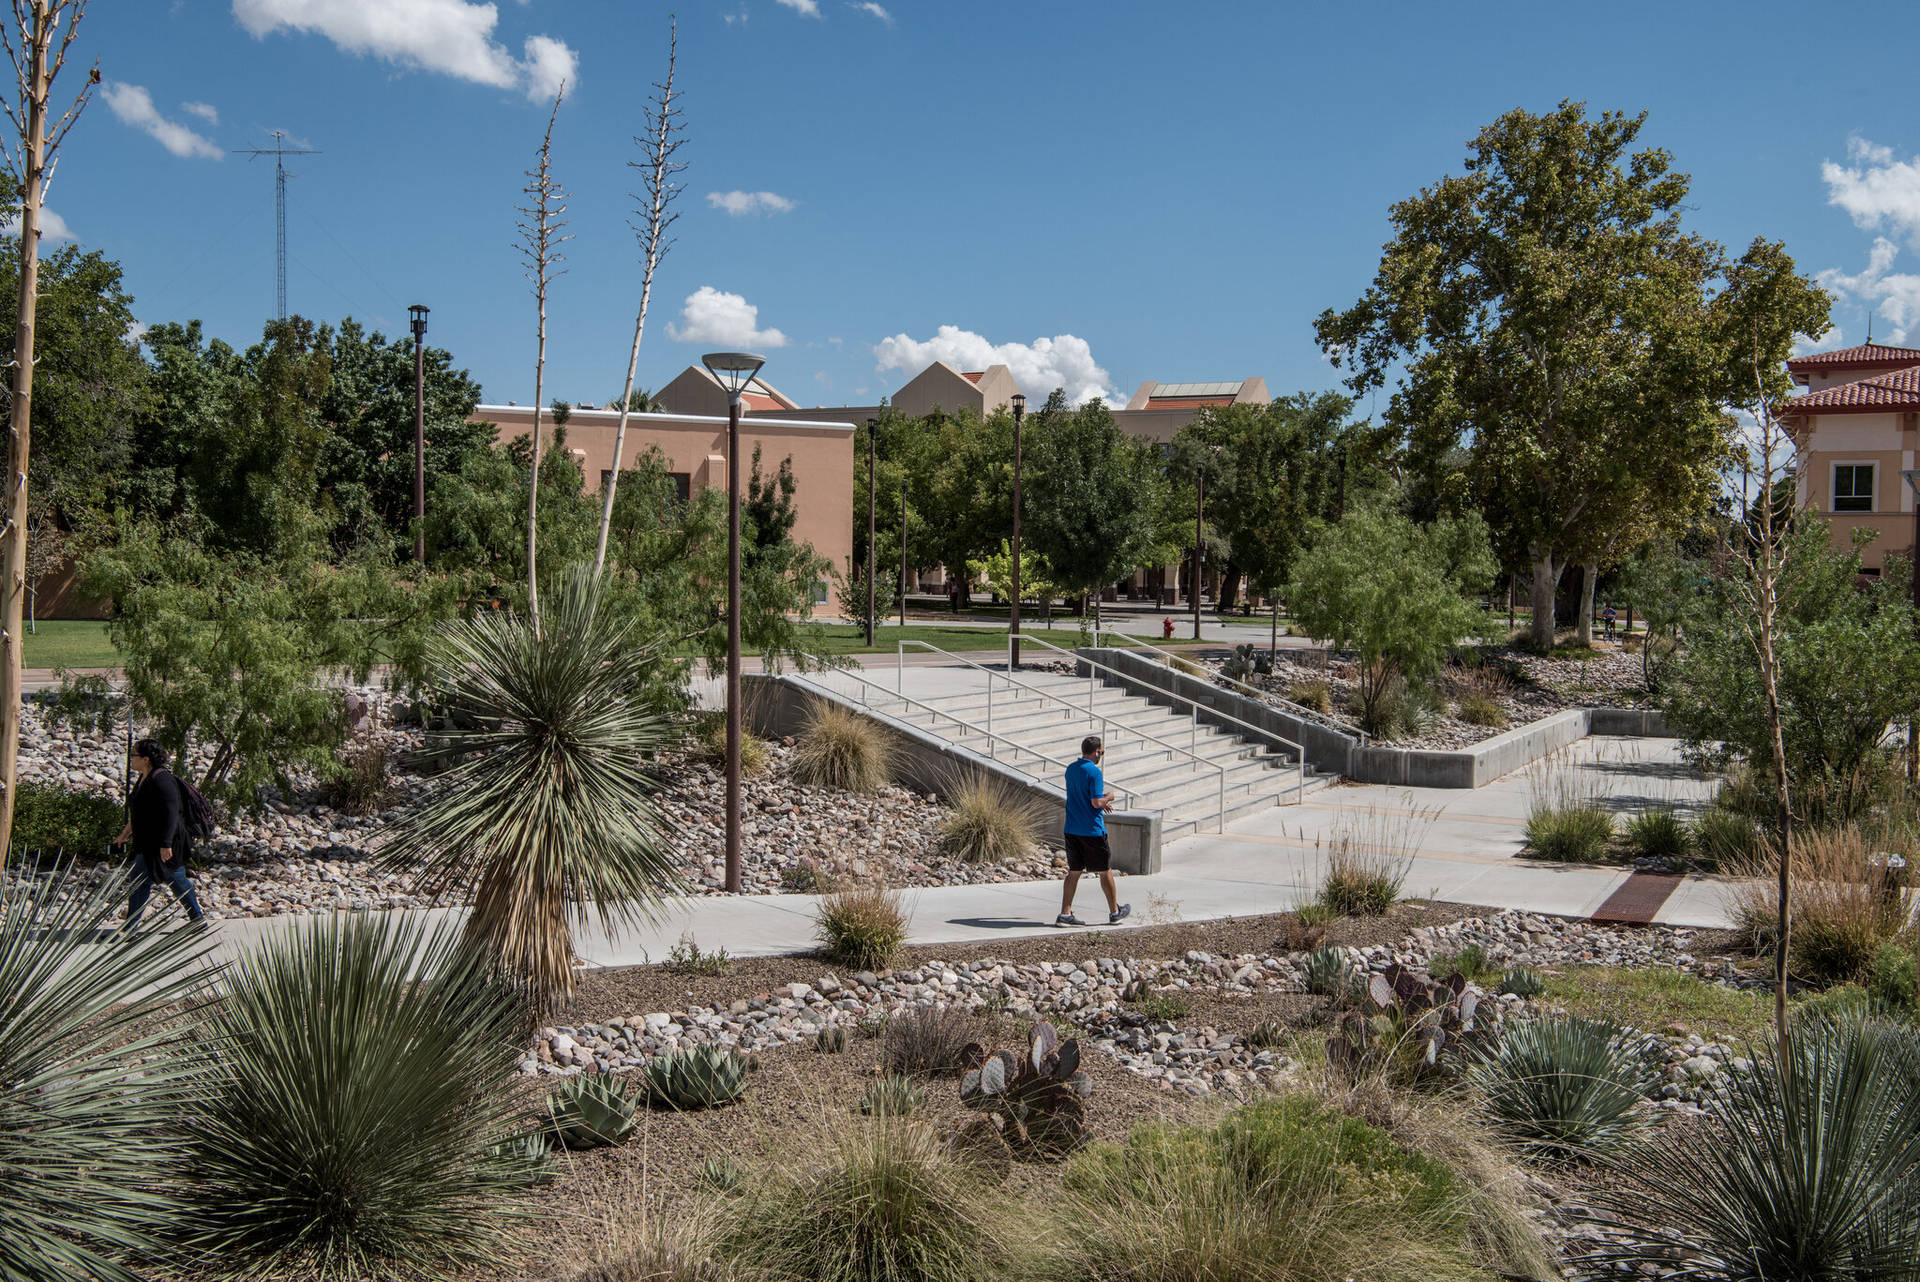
(1068, 919)
(1119, 914)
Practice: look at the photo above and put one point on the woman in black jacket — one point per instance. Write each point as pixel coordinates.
(157, 827)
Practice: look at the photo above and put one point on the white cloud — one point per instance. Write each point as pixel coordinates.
(732, 18)
(452, 37)
(52, 226)
(136, 331)
(749, 202)
(805, 8)
(1877, 191)
(727, 320)
(869, 7)
(133, 105)
(205, 110)
(1040, 366)
(1897, 293)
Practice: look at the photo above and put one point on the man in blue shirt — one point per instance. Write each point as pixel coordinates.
(1086, 832)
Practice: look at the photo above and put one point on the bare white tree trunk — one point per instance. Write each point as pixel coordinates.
(1583, 630)
(657, 173)
(540, 242)
(29, 162)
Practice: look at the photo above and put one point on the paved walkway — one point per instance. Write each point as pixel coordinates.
(1467, 843)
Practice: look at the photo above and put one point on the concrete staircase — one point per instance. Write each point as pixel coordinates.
(1151, 750)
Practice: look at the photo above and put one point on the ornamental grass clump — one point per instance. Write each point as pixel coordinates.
(861, 924)
(990, 821)
(349, 1120)
(839, 748)
(82, 1150)
(1284, 1190)
(1563, 1087)
(1848, 900)
(1724, 838)
(1806, 1167)
(1366, 860)
(1574, 834)
(927, 1041)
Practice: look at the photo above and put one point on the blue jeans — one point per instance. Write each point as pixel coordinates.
(174, 875)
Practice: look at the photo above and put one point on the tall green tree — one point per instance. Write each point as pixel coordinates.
(1091, 496)
(961, 482)
(1546, 308)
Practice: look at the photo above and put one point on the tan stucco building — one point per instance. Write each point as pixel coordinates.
(695, 447)
(1854, 433)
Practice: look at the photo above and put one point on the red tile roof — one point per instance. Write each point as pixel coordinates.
(1864, 356)
(1898, 390)
(975, 376)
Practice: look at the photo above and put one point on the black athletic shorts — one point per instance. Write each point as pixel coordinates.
(1088, 854)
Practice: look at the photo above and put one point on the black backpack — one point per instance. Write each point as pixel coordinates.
(195, 814)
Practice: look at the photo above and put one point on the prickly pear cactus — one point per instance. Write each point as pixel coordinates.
(1412, 1021)
(1040, 1098)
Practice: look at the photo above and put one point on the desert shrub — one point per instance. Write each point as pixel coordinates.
(1894, 979)
(80, 1023)
(1312, 692)
(1470, 961)
(707, 744)
(1285, 1190)
(1357, 883)
(55, 820)
(1269, 1033)
(1573, 834)
(1806, 1167)
(926, 1041)
(362, 783)
(687, 957)
(1658, 833)
(1523, 981)
(1329, 973)
(1316, 915)
(1180, 663)
(839, 748)
(1392, 709)
(659, 1257)
(356, 1086)
(1477, 709)
(887, 1204)
(1565, 1087)
(1725, 838)
(861, 924)
(990, 821)
(1844, 905)
(890, 1096)
(1165, 1008)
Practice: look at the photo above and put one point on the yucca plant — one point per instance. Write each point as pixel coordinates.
(349, 1119)
(90, 1068)
(548, 812)
(1807, 1167)
(1523, 981)
(1565, 1087)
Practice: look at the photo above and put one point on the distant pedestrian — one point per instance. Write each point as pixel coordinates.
(157, 832)
(1607, 616)
(1086, 833)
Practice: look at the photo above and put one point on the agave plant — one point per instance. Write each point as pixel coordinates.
(89, 1071)
(356, 1093)
(1807, 1167)
(1040, 1099)
(1565, 1087)
(699, 1077)
(1328, 971)
(1523, 981)
(547, 813)
(591, 1111)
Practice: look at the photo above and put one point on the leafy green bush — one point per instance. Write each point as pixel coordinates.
(862, 925)
(1725, 838)
(81, 1022)
(839, 748)
(1658, 833)
(1284, 1190)
(1477, 709)
(990, 821)
(1564, 1087)
(63, 820)
(356, 1085)
(1571, 834)
(888, 1204)
(1895, 977)
(1804, 1168)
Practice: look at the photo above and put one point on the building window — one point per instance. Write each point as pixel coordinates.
(682, 485)
(1853, 487)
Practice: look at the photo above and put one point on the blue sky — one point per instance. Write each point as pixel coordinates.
(1108, 191)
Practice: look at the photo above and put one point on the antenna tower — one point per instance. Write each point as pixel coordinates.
(279, 151)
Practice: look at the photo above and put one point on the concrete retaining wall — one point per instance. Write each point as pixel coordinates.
(777, 706)
(1336, 752)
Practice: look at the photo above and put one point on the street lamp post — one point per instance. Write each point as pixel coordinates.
(1019, 414)
(734, 371)
(903, 548)
(1199, 521)
(418, 315)
(872, 425)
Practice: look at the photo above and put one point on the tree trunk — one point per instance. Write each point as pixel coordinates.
(20, 426)
(1511, 576)
(1273, 637)
(1546, 580)
(1583, 627)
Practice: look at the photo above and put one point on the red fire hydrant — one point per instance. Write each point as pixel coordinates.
(1166, 629)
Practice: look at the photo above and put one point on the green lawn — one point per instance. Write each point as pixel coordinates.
(1654, 998)
(70, 643)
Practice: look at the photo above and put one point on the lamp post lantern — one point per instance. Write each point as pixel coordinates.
(733, 371)
(1013, 644)
(873, 425)
(418, 317)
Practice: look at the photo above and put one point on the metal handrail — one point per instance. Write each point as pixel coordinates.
(1092, 715)
(1300, 752)
(866, 681)
(1264, 696)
